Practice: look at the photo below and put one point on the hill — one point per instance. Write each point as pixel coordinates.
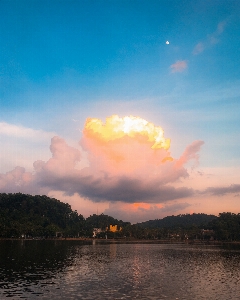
(183, 221)
(27, 215)
(24, 215)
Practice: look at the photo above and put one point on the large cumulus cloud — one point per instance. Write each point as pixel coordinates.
(129, 161)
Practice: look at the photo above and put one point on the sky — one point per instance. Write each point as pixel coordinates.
(127, 108)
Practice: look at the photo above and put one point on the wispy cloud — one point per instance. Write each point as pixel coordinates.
(19, 131)
(223, 190)
(178, 66)
(198, 48)
(211, 39)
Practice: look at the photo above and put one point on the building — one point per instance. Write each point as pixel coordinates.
(113, 228)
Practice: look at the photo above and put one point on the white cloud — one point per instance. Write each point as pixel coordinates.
(19, 131)
(21, 146)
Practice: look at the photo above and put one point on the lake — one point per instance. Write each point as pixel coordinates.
(58, 269)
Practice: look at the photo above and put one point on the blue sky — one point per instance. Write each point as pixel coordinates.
(64, 61)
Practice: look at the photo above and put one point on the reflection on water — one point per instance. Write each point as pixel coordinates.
(81, 270)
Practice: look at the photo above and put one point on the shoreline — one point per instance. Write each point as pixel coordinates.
(133, 241)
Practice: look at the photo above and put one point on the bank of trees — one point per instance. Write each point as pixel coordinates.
(226, 227)
(30, 216)
(183, 221)
(37, 216)
(41, 216)
(103, 221)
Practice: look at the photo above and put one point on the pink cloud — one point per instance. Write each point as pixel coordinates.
(179, 66)
(99, 183)
(17, 180)
(129, 169)
(64, 158)
(190, 153)
(133, 165)
(130, 174)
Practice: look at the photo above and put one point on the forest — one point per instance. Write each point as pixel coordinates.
(27, 216)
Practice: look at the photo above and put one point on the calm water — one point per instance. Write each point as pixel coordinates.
(78, 270)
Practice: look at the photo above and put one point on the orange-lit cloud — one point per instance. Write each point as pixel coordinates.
(144, 212)
(116, 128)
(130, 167)
(124, 146)
(129, 161)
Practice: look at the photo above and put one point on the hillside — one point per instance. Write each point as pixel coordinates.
(183, 221)
(24, 215)
(28, 215)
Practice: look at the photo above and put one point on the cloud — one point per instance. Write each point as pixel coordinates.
(22, 132)
(179, 66)
(173, 208)
(129, 161)
(64, 159)
(211, 39)
(131, 190)
(220, 28)
(20, 146)
(139, 212)
(198, 48)
(130, 168)
(17, 180)
(221, 191)
(191, 153)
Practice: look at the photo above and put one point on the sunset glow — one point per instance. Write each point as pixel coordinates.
(116, 128)
(128, 108)
(126, 146)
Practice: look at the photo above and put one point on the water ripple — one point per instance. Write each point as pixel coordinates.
(74, 270)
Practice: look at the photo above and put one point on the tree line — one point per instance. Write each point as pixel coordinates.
(23, 215)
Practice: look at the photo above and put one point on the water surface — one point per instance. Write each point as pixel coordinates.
(92, 270)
